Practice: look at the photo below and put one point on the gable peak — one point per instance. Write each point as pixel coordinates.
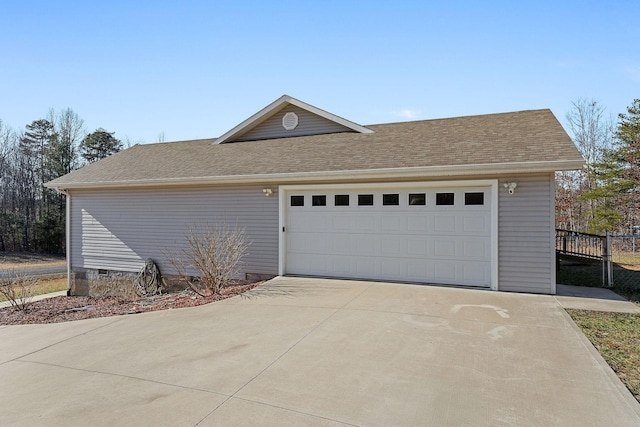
(290, 120)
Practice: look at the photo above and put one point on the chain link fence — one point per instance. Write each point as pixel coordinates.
(604, 261)
(625, 257)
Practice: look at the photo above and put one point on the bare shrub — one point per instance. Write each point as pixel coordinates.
(212, 257)
(18, 290)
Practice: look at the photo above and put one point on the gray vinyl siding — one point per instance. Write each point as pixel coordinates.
(525, 235)
(118, 230)
(308, 124)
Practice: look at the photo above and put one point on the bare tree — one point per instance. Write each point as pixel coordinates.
(70, 131)
(592, 134)
(591, 131)
(212, 257)
(32, 217)
(7, 142)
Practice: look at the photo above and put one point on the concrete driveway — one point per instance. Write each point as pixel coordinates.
(321, 353)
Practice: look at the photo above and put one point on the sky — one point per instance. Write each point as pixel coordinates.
(179, 70)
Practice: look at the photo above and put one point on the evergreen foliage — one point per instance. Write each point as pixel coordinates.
(32, 218)
(99, 144)
(617, 177)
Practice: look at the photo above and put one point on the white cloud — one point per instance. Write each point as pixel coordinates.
(408, 113)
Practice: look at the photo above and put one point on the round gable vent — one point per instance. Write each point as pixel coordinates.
(290, 121)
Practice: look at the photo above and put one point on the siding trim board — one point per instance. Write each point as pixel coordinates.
(552, 232)
(68, 239)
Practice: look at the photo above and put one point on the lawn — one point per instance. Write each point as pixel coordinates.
(10, 261)
(47, 285)
(43, 285)
(617, 338)
(615, 335)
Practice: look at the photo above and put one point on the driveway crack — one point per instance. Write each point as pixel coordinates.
(60, 342)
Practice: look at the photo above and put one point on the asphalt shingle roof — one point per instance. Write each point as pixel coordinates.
(506, 138)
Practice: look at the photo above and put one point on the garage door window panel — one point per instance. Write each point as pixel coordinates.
(341, 200)
(365, 199)
(319, 200)
(297, 200)
(474, 199)
(417, 199)
(391, 199)
(445, 199)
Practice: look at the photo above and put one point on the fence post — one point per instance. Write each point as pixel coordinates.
(609, 261)
(603, 257)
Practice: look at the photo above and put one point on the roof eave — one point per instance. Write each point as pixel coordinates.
(367, 174)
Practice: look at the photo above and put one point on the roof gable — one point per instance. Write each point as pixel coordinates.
(288, 117)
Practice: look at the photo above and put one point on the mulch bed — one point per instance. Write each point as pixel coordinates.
(64, 309)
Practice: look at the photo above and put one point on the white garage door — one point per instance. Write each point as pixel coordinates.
(417, 234)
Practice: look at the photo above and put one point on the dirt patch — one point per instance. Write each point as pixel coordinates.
(64, 309)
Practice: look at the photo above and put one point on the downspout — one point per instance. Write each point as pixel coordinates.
(67, 233)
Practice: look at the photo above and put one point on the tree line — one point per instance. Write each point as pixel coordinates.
(32, 217)
(605, 194)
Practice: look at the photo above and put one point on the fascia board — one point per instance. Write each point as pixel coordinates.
(337, 119)
(361, 175)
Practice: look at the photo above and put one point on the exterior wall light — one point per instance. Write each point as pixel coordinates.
(510, 186)
(267, 191)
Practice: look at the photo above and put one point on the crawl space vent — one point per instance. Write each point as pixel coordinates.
(290, 121)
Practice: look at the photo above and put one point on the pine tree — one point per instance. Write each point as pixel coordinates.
(628, 152)
(99, 144)
(618, 177)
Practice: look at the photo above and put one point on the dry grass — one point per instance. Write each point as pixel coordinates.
(9, 261)
(626, 257)
(628, 262)
(617, 338)
(47, 286)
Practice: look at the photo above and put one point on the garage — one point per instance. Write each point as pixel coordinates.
(442, 233)
(320, 195)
